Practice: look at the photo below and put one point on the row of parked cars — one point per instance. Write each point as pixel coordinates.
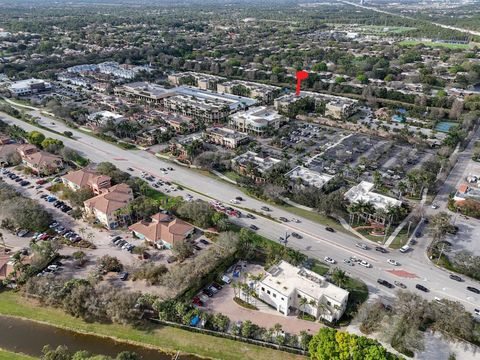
(119, 242)
(207, 292)
(15, 177)
(59, 204)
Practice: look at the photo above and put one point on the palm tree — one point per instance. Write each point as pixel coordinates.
(235, 286)
(339, 277)
(302, 303)
(322, 308)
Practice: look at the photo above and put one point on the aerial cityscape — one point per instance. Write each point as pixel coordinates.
(239, 179)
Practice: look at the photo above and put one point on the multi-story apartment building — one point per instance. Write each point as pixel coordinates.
(28, 87)
(144, 92)
(225, 137)
(262, 92)
(202, 81)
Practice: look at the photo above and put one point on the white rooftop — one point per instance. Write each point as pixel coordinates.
(285, 278)
(363, 192)
(310, 177)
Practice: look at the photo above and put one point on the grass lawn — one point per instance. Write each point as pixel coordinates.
(163, 337)
(7, 355)
(319, 268)
(167, 202)
(434, 44)
(232, 175)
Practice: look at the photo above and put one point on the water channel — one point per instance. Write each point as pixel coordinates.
(29, 337)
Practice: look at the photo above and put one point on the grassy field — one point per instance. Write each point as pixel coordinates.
(163, 337)
(167, 202)
(7, 355)
(434, 44)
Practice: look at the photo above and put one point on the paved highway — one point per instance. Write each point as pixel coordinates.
(316, 241)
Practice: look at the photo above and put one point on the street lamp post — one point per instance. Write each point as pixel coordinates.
(284, 240)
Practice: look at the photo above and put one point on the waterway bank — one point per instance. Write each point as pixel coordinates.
(163, 338)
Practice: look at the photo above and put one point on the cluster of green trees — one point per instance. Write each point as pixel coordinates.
(19, 212)
(333, 344)
(62, 353)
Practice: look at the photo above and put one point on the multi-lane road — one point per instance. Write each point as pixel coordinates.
(316, 242)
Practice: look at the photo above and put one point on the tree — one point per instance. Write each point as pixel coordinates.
(60, 353)
(110, 263)
(52, 145)
(183, 250)
(35, 138)
(339, 277)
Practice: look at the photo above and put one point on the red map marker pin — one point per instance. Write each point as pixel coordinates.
(301, 75)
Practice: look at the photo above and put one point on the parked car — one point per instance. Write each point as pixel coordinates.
(213, 289)
(226, 279)
(22, 233)
(239, 198)
(434, 206)
(217, 286)
(204, 242)
(207, 292)
(123, 276)
(53, 267)
(400, 284)
(349, 262)
(405, 248)
(421, 288)
(477, 312)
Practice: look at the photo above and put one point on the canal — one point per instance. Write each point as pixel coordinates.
(29, 337)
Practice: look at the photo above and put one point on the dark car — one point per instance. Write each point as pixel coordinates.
(253, 227)
(412, 242)
(455, 277)
(207, 292)
(422, 288)
(123, 276)
(418, 234)
(217, 286)
(385, 283)
(284, 219)
(381, 249)
(472, 289)
(239, 198)
(204, 242)
(328, 228)
(196, 247)
(296, 235)
(250, 216)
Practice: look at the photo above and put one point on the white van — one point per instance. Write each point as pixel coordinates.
(405, 248)
(226, 279)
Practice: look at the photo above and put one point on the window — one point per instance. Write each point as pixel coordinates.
(263, 289)
(329, 303)
(281, 298)
(268, 292)
(274, 295)
(298, 296)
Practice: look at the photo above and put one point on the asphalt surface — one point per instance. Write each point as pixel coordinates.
(316, 242)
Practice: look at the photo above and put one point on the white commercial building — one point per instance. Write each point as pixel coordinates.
(257, 120)
(363, 192)
(28, 87)
(308, 177)
(284, 286)
(103, 117)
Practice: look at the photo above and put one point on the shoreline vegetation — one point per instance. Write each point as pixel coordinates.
(9, 355)
(163, 338)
